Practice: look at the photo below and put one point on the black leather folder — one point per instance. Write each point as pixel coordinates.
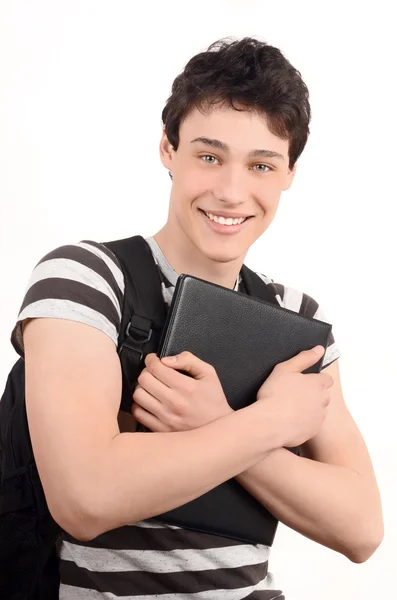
(244, 339)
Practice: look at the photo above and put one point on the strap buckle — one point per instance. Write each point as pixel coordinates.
(137, 333)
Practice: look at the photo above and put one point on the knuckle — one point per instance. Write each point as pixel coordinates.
(189, 386)
(149, 358)
(143, 377)
(177, 408)
(211, 369)
(154, 368)
(178, 411)
(327, 380)
(137, 411)
(173, 422)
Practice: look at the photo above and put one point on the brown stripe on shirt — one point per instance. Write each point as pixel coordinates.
(103, 249)
(89, 260)
(65, 289)
(145, 538)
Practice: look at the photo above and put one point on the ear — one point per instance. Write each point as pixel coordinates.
(290, 177)
(166, 151)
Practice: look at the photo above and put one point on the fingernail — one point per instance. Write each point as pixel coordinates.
(319, 349)
(169, 359)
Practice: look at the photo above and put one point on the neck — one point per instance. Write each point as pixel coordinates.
(185, 257)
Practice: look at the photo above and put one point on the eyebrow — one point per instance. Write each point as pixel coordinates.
(222, 146)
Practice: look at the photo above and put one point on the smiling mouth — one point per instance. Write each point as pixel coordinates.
(228, 221)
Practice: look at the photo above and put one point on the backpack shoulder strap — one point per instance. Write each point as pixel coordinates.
(255, 286)
(144, 310)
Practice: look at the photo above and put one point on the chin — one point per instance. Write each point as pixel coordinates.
(222, 255)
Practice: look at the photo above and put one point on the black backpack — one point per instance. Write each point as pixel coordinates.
(28, 533)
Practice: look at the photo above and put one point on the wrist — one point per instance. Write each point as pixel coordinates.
(266, 426)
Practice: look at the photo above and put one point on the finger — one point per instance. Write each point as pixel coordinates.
(304, 359)
(188, 362)
(168, 377)
(147, 401)
(151, 358)
(148, 420)
(152, 384)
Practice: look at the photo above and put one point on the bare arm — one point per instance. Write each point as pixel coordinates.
(330, 495)
(96, 478)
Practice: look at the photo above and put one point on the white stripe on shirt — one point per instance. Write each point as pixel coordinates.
(65, 268)
(117, 273)
(53, 308)
(152, 561)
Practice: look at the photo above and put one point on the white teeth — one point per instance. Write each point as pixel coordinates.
(224, 221)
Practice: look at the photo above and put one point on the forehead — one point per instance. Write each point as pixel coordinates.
(242, 130)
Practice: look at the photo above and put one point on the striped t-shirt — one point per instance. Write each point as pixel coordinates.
(146, 560)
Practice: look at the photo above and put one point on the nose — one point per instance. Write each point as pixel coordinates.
(229, 187)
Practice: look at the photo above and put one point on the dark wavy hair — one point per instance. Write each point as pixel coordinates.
(249, 73)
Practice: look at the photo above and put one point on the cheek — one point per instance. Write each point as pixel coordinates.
(268, 195)
(270, 210)
(189, 191)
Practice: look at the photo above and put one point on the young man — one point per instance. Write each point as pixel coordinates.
(234, 127)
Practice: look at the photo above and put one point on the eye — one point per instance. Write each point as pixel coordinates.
(210, 162)
(263, 170)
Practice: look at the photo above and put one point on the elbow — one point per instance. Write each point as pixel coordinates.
(80, 527)
(361, 552)
(76, 519)
(87, 520)
(361, 555)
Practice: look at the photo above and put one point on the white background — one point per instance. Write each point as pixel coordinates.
(82, 86)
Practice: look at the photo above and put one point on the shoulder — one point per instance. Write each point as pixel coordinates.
(294, 299)
(307, 306)
(81, 282)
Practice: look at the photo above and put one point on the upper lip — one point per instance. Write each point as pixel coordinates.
(226, 215)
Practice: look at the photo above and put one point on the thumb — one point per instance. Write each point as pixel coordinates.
(305, 359)
(189, 363)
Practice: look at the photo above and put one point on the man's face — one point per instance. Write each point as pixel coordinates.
(228, 166)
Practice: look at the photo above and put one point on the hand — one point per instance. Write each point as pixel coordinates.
(166, 400)
(297, 401)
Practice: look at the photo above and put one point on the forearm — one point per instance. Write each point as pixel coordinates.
(329, 504)
(146, 474)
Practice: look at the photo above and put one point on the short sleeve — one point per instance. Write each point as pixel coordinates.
(79, 282)
(332, 351)
(307, 306)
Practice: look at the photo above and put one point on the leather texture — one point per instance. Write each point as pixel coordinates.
(244, 339)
